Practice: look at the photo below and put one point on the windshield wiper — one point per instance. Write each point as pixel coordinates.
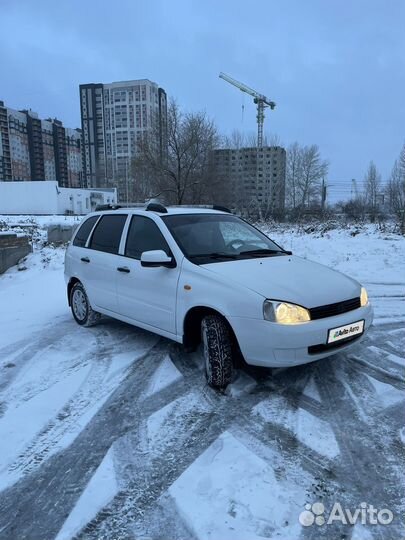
(260, 252)
(215, 255)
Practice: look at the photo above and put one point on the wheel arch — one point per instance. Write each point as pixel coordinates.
(70, 284)
(192, 326)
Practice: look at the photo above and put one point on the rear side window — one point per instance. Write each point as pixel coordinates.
(107, 235)
(144, 235)
(84, 231)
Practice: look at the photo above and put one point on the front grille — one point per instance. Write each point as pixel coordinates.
(330, 310)
(324, 347)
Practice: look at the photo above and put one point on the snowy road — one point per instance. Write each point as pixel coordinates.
(112, 433)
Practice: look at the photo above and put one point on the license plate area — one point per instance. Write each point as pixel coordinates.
(346, 331)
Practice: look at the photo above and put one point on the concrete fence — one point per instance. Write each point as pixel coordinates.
(12, 249)
(60, 234)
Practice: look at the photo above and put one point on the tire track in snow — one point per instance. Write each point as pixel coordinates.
(28, 507)
(21, 352)
(86, 397)
(145, 476)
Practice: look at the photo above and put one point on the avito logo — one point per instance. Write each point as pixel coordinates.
(366, 514)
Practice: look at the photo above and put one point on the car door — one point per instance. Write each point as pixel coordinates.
(102, 261)
(147, 295)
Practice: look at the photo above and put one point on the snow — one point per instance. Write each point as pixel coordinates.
(166, 374)
(161, 425)
(22, 421)
(312, 391)
(55, 376)
(231, 493)
(308, 429)
(386, 393)
(100, 490)
(375, 258)
(360, 532)
(54, 366)
(242, 385)
(36, 296)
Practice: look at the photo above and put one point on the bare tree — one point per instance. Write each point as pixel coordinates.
(396, 190)
(293, 174)
(238, 140)
(185, 173)
(372, 190)
(304, 171)
(313, 169)
(354, 209)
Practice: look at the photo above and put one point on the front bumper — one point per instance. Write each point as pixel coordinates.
(268, 344)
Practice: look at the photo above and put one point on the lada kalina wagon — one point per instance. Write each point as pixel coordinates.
(205, 275)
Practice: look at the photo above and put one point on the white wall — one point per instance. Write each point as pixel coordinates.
(45, 197)
(28, 197)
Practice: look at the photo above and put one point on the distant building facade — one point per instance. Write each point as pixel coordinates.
(255, 177)
(115, 118)
(34, 149)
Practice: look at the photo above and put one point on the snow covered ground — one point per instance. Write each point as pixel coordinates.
(111, 432)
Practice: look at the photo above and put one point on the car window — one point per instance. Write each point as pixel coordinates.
(144, 235)
(82, 234)
(107, 234)
(232, 232)
(203, 234)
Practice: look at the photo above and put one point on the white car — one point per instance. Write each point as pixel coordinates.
(193, 275)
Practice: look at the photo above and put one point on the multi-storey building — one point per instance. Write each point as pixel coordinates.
(35, 149)
(36, 153)
(74, 156)
(48, 150)
(115, 119)
(5, 156)
(19, 146)
(254, 177)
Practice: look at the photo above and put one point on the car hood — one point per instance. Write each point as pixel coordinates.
(289, 278)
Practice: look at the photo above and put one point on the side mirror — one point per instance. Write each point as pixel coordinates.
(157, 257)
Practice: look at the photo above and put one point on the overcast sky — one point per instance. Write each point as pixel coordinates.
(336, 69)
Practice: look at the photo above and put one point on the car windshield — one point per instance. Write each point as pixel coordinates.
(218, 237)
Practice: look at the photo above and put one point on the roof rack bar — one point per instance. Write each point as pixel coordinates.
(221, 208)
(101, 207)
(208, 206)
(156, 207)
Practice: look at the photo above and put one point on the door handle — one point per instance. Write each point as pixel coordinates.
(85, 259)
(123, 269)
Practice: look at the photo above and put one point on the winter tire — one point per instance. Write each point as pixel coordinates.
(217, 347)
(82, 311)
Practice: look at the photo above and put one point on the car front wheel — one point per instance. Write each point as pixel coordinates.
(82, 311)
(217, 347)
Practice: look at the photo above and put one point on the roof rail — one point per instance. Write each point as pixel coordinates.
(221, 208)
(101, 207)
(156, 207)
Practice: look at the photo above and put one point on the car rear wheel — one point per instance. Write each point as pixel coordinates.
(82, 311)
(217, 347)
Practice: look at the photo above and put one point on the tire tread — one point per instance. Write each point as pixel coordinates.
(219, 343)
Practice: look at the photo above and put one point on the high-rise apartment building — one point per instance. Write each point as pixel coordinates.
(5, 155)
(115, 118)
(35, 149)
(73, 139)
(255, 177)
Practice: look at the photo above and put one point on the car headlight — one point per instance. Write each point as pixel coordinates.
(284, 312)
(363, 297)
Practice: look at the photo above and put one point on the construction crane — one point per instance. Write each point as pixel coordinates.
(259, 99)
